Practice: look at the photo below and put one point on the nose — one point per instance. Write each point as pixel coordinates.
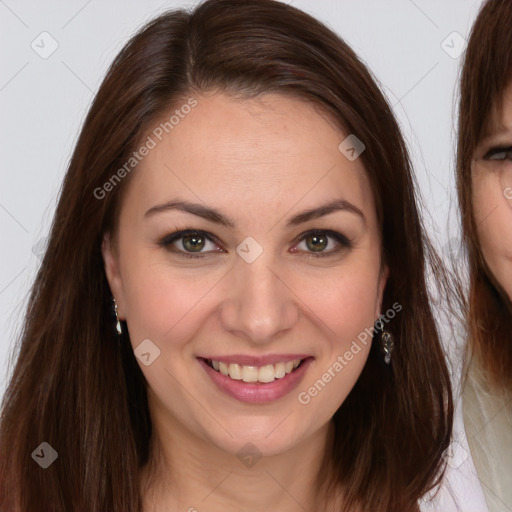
(260, 304)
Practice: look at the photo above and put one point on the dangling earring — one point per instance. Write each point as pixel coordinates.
(387, 343)
(118, 323)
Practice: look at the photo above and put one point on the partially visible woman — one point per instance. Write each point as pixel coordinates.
(484, 182)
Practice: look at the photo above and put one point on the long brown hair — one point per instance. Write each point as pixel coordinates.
(486, 72)
(77, 386)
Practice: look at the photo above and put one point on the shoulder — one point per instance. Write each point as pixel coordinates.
(488, 425)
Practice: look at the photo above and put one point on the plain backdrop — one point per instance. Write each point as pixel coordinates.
(413, 47)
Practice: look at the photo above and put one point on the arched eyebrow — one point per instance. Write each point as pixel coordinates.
(217, 217)
(493, 132)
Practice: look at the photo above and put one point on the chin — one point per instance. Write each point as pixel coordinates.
(264, 442)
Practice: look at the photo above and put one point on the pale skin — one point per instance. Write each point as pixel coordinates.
(492, 192)
(259, 162)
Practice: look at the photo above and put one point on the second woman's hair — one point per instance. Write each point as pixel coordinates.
(487, 70)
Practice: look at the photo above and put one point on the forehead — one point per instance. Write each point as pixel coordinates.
(257, 152)
(500, 118)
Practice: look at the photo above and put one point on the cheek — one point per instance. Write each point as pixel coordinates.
(163, 302)
(496, 242)
(493, 217)
(166, 301)
(349, 305)
(347, 302)
(347, 310)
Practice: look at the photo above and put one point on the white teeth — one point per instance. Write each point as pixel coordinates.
(223, 367)
(280, 370)
(265, 374)
(235, 371)
(249, 373)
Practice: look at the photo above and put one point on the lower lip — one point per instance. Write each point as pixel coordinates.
(257, 392)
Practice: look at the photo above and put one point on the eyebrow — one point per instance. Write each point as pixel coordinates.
(215, 216)
(491, 134)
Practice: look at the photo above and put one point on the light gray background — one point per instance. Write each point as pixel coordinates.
(43, 103)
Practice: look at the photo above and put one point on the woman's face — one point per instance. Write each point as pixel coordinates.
(253, 289)
(492, 193)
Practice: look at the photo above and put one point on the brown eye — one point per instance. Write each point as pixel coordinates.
(316, 242)
(193, 243)
(499, 153)
(190, 243)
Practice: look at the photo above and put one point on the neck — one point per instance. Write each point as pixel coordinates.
(189, 473)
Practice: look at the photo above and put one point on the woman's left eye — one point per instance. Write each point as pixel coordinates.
(499, 153)
(193, 241)
(318, 240)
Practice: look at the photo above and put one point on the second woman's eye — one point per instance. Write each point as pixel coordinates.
(499, 153)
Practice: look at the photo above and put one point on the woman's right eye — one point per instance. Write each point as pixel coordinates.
(192, 243)
(499, 153)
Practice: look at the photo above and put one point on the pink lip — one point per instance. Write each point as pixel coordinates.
(257, 392)
(257, 360)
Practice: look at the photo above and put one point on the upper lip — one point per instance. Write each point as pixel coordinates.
(246, 360)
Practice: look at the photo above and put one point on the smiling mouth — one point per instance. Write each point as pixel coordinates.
(264, 374)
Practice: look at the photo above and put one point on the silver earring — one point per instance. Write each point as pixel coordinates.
(118, 323)
(387, 346)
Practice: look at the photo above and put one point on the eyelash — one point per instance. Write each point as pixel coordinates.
(167, 241)
(497, 151)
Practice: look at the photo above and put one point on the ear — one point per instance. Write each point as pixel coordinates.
(111, 263)
(383, 279)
